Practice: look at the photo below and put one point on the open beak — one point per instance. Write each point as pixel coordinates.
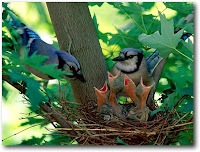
(102, 95)
(119, 58)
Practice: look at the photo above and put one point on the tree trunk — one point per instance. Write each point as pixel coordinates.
(72, 22)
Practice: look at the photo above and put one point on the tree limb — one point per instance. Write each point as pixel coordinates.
(44, 107)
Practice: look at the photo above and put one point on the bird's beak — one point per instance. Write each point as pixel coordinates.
(119, 58)
(81, 78)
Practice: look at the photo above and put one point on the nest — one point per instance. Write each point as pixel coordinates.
(90, 128)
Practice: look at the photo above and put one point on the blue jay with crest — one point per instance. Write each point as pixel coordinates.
(133, 63)
(34, 44)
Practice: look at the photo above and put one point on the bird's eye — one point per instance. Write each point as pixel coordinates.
(70, 67)
(131, 56)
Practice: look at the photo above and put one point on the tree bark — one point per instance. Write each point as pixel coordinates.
(72, 22)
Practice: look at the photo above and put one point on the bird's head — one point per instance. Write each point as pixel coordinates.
(129, 60)
(70, 65)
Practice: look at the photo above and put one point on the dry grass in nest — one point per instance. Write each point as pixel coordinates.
(91, 129)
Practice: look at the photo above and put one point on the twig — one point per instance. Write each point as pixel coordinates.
(162, 128)
(110, 130)
(180, 119)
(20, 132)
(176, 134)
(179, 125)
(44, 107)
(180, 100)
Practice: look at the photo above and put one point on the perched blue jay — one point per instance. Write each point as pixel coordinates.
(132, 63)
(64, 60)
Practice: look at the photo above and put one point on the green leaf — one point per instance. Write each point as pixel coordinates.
(156, 111)
(147, 5)
(133, 11)
(189, 45)
(110, 63)
(36, 61)
(170, 101)
(187, 105)
(58, 139)
(120, 141)
(33, 141)
(95, 3)
(103, 37)
(4, 91)
(188, 90)
(165, 42)
(125, 39)
(183, 7)
(33, 121)
(184, 138)
(34, 94)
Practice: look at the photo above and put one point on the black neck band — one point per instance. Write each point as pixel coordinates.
(138, 63)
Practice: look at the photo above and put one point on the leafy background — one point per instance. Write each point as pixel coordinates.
(119, 25)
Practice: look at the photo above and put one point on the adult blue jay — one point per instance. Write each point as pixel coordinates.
(133, 63)
(32, 41)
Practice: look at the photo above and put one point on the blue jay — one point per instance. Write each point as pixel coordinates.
(133, 63)
(64, 60)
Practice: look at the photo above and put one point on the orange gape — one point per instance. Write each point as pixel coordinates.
(102, 95)
(129, 88)
(114, 88)
(138, 95)
(142, 93)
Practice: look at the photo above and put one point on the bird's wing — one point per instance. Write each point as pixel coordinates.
(42, 48)
(153, 60)
(66, 57)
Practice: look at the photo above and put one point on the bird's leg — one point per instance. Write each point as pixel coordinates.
(102, 95)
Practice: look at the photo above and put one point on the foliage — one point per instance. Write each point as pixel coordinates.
(141, 29)
(145, 31)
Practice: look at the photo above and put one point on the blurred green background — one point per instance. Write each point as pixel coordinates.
(35, 16)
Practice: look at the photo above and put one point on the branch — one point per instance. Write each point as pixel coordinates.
(176, 134)
(44, 107)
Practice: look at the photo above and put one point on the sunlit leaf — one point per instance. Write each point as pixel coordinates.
(189, 45)
(33, 121)
(95, 3)
(165, 42)
(101, 35)
(33, 141)
(183, 7)
(120, 141)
